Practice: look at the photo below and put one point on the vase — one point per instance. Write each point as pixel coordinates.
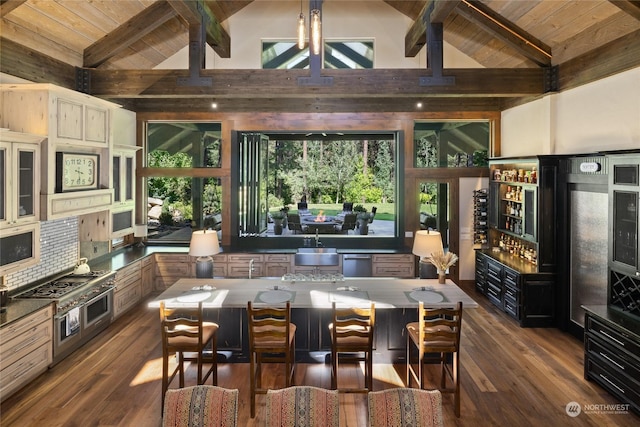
(442, 276)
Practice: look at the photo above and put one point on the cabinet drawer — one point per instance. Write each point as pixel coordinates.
(245, 258)
(173, 269)
(219, 269)
(494, 295)
(220, 258)
(128, 271)
(242, 269)
(611, 335)
(177, 258)
(24, 343)
(394, 258)
(624, 389)
(21, 326)
(393, 270)
(18, 374)
(127, 299)
(126, 282)
(277, 269)
(511, 278)
(146, 261)
(512, 294)
(278, 258)
(511, 308)
(612, 357)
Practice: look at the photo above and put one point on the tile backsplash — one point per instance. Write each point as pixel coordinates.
(59, 251)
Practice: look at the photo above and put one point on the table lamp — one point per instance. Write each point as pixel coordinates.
(204, 243)
(425, 243)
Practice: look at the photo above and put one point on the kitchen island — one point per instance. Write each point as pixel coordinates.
(225, 302)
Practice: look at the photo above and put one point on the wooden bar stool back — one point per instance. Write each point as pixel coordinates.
(184, 331)
(352, 333)
(271, 339)
(436, 334)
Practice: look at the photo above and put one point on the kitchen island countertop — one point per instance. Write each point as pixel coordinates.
(385, 292)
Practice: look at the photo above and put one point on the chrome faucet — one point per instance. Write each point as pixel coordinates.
(250, 267)
(318, 242)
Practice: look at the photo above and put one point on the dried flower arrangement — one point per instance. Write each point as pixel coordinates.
(443, 261)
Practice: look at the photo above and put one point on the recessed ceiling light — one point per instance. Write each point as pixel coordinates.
(214, 105)
(418, 104)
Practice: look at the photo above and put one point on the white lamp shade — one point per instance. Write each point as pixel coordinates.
(426, 242)
(204, 243)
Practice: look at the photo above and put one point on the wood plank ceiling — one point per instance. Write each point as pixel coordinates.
(109, 49)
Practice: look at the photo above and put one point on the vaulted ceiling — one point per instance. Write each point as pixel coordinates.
(109, 48)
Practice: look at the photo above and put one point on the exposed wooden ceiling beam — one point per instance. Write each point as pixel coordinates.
(367, 83)
(25, 63)
(193, 12)
(502, 29)
(384, 106)
(126, 34)
(7, 6)
(614, 57)
(632, 7)
(416, 37)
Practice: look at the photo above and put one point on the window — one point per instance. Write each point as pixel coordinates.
(314, 181)
(180, 199)
(451, 144)
(337, 54)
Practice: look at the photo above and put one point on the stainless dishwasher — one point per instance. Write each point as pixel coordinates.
(356, 265)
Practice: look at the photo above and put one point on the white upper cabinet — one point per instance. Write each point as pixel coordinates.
(62, 115)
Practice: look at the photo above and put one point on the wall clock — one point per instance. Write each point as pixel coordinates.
(76, 171)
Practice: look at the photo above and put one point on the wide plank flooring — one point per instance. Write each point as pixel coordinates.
(510, 377)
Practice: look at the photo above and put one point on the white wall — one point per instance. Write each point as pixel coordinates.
(600, 116)
(277, 20)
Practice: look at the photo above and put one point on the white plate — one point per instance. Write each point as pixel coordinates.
(427, 296)
(274, 297)
(194, 297)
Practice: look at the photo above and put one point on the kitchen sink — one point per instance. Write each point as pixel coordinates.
(317, 256)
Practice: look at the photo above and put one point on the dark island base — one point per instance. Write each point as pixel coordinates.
(313, 342)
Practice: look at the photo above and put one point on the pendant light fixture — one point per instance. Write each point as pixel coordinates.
(316, 31)
(301, 25)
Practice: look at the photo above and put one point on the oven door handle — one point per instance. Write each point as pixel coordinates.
(97, 297)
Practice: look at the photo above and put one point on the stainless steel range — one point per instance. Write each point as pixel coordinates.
(83, 308)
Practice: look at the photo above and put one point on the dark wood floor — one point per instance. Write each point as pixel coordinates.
(510, 377)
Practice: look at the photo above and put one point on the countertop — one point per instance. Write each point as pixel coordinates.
(616, 316)
(18, 309)
(520, 265)
(385, 292)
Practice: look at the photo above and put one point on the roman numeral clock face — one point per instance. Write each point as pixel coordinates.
(78, 171)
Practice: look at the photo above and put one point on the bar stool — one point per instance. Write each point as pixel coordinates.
(183, 330)
(352, 332)
(437, 332)
(202, 406)
(303, 406)
(271, 339)
(405, 407)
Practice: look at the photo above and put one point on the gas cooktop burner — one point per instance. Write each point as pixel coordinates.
(64, 285)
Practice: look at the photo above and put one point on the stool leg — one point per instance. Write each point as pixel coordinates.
(370, 370)
(181, 365)
(334, 370)
(252, 380)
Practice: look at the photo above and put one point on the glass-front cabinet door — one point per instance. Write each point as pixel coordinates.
(625, 193)
(19, 178)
